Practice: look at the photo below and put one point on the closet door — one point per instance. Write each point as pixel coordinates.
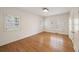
(76, 29)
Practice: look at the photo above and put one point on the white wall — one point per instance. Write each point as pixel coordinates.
(57, 23)
(29, 25)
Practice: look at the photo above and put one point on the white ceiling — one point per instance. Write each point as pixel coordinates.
(52, 10)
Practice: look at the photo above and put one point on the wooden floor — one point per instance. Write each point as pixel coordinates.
(42, 42)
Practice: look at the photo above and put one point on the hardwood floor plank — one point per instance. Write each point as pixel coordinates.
(42, 42)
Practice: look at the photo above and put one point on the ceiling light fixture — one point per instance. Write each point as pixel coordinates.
(45, 10)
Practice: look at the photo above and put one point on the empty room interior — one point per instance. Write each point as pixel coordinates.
(39, 29)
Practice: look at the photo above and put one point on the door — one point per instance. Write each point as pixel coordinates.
(74, 28)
